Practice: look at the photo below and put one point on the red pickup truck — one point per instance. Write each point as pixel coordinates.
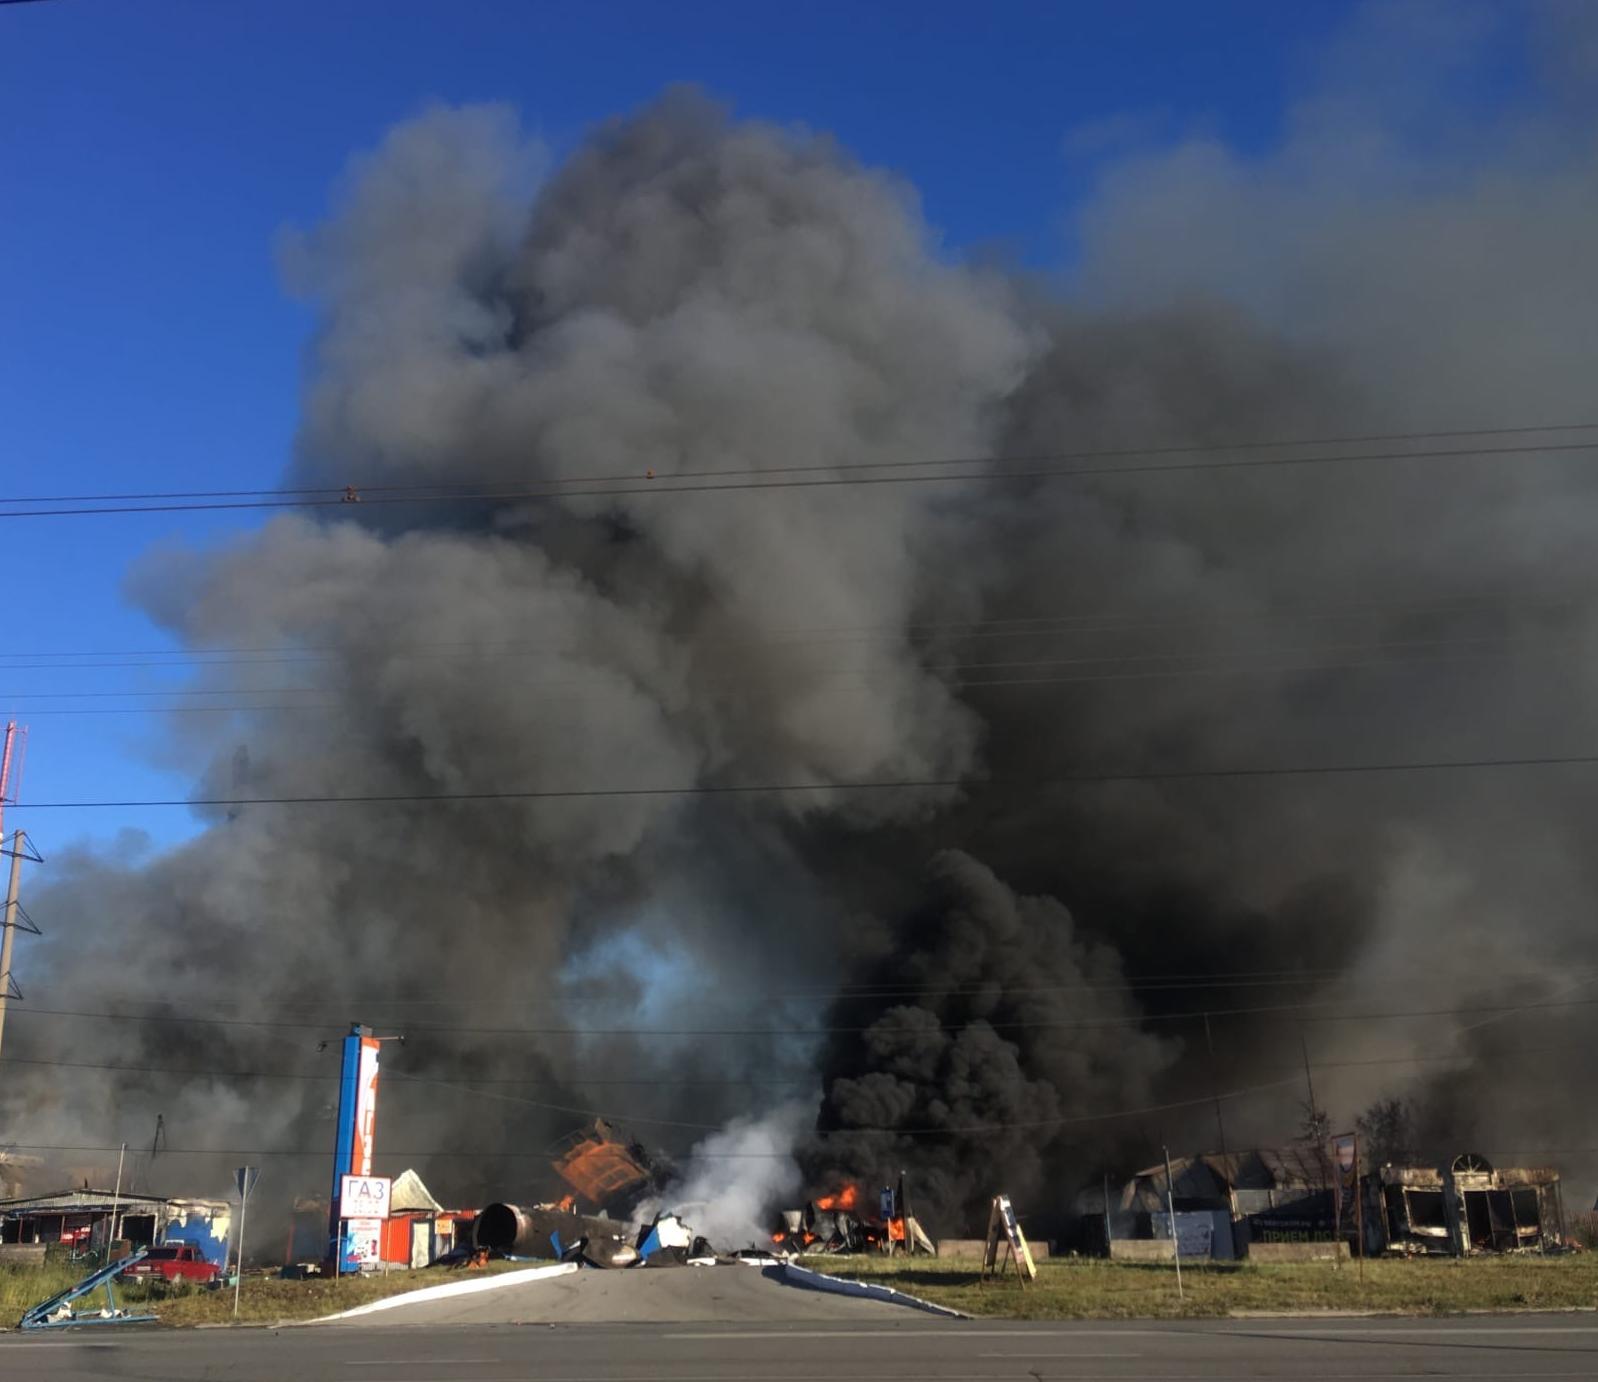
(174, 1262)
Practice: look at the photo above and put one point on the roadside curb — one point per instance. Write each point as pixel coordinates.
(808, 1279)
(1329, 1314)
(452, 1288)
(1415, 1314)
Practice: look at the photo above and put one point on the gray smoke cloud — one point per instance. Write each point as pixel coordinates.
(692, 293)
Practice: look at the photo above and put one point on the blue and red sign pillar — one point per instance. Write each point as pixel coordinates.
(355, 1133)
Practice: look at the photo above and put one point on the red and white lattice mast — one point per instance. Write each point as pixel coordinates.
(13, 918)
(11, 755)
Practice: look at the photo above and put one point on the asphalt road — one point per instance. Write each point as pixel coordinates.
(911, 1345)
(702, 1295)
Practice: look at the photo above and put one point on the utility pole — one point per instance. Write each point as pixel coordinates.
(116, 1202)
(1317, 1126)
(1220, 1132)
(14, 918)
(245, 1178)
(1309, 1081)
(12, 748)
(1359, 1208)
(1170, 1208)
(1215, 1085)
(12, 921)
(1109, 1237)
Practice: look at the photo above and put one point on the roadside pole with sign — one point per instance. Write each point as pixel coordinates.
(1170, 1208)
(245, 1178)
(357, 1123)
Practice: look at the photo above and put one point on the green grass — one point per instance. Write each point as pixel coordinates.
(1091, 1288)
(263, 1300)
(1080, 1288)
(21, 1288)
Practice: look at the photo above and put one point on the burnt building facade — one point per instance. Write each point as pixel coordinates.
(1464, 1208)
(1277, 1199)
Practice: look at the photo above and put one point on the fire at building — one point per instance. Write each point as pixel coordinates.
(843, 1222)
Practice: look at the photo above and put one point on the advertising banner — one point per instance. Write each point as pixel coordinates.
(361, 1243)
(365, 1127)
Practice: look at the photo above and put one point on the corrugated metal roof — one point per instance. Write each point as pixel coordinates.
(86, 1200)
(408, 1192)
(1294, 1166)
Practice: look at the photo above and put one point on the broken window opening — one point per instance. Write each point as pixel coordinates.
(1426, 1212)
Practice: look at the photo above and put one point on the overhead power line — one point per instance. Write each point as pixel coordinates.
(332, 1076)
(577, 1079)
(1242, 979)
(931, 1131)
(1387, 657)
(994, 469)
(1301, 1012)
(1082, 623)
(901, 649)
(874, 991)
(1075, 779)
(962, 676)
(336, 706)
(526, 1154)
(338, 492)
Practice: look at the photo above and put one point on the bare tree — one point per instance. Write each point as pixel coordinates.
(1387, 1132)
(1315, 1126)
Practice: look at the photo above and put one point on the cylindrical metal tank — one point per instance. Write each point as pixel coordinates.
(531, 1230)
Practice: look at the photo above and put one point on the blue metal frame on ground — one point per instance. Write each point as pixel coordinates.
(45, 1315)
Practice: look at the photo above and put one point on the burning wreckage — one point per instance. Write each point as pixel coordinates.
(612, 1178)
(840, 1223)
(610, 1175)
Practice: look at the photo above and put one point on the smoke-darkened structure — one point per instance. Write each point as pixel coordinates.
(553, 389)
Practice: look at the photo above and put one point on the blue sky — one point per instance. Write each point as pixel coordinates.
(154, 151)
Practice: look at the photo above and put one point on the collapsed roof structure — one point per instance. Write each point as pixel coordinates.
(87, 1217)
(1256, 1195)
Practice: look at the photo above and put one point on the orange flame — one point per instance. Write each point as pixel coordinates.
(845, 1199)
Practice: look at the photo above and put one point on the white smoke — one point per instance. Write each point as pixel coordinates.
(732, 1179)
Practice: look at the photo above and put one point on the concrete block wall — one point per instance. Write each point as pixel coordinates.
(973, 1248)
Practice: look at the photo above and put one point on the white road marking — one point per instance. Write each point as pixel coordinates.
(1059, 1355)
(953, 1330)
(1366, 1331)
(699, 1370)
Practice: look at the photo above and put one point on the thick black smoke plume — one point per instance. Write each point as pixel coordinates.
(693, 294)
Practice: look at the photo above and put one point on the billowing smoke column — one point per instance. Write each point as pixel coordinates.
(988, 1021)
(940, 973)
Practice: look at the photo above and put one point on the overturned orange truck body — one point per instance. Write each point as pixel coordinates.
(602, 1165)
